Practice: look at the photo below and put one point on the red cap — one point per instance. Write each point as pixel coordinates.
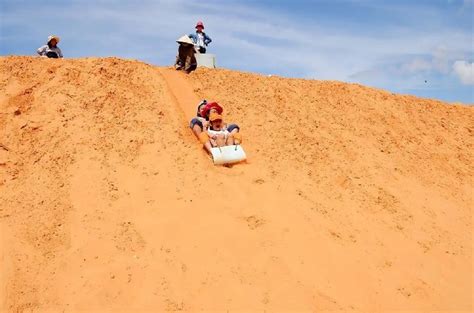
(200, 23)
(209, 106)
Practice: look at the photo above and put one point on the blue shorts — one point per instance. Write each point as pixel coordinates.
(195, 121)
(231, 127)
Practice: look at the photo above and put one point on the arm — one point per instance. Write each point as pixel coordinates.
(193, 38)
(207, 39)
(60, 53)
(189, 61)
(41, 50)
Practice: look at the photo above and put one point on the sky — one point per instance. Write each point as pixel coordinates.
(422, 47)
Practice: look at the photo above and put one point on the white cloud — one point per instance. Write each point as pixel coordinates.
(465, 71)
(439, 61)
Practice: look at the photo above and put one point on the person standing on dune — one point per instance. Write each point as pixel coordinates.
(200, 38)
(50, 49)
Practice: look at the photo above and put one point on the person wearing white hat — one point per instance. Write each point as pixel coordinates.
(186, 59)
(50, 49)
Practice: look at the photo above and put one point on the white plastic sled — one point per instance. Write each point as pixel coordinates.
(228, 155)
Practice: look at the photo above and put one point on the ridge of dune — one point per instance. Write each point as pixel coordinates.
(353, 198)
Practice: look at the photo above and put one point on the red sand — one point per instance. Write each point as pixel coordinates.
(353, 199)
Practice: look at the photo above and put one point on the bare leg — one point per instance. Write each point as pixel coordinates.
(208, 147)
(236, 137)
(220, 140)
(197, 130)
(230, 140)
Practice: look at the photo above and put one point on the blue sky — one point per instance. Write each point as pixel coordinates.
(395, 45)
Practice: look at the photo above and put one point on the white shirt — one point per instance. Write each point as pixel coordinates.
(43, 50)
(212, 133)
(200, 39)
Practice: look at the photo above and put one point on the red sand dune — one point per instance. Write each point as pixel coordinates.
(353, 199)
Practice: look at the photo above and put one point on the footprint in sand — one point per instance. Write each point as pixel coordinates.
(128, 239)
(254, 222)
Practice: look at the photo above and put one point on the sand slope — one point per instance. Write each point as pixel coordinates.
(353, 199)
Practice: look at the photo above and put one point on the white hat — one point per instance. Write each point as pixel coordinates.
(185, 39)
(53, 37)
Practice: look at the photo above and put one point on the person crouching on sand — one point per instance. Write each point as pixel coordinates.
(185, 60)
(51, 49)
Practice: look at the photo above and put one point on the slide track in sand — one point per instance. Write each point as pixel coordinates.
(181, 91)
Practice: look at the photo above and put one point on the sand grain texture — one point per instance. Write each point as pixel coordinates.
(353, 199)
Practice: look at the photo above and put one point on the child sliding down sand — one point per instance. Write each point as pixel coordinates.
(217, 131)
(211, 130)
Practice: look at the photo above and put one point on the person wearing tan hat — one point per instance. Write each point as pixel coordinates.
(50, 49)
(185, 60)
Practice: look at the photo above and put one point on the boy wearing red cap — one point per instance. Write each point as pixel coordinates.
(217, 131)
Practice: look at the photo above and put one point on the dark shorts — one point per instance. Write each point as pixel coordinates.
(52, 54)
(231, 127)
(195, 121)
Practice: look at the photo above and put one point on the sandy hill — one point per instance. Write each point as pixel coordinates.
(353, 199)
